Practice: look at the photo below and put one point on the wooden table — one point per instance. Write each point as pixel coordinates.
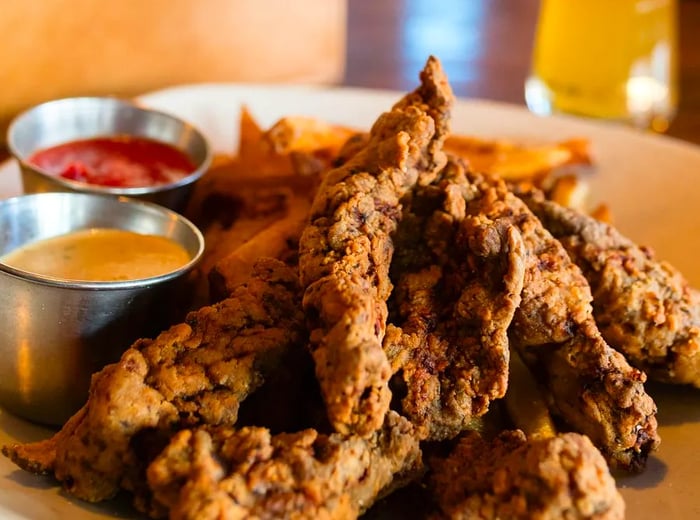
(485, 47)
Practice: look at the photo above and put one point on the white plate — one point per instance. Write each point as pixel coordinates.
(651, 183)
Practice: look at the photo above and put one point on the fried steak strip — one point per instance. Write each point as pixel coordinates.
(197, 372)
(511, 477)
(248, 473)
(644, 307)
(591, 386)
(346, 250)
(458, 281)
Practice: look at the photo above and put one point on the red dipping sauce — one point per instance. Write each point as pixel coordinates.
(116, 161)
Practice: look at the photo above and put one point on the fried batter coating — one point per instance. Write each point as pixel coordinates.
(562, 477)
(346, 250)
(248, 473)
(591, 386)
(458, 281)
(644, 307)
(197, 372)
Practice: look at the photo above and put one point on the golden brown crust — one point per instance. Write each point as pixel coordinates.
(345, 251)
(458, 281)
(563, 477)
(249, 473)
(196, 372)
(591, 387)
(645, 308)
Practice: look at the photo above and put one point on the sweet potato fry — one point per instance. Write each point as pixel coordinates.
(306, 134)
(515, 161)
(276, 240)
(525, 403)
(570, 191)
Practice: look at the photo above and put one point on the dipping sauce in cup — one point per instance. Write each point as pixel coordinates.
(122, 161)
(99, 254)
(108, 146)
(58, 330)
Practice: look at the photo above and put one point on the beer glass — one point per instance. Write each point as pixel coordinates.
(608, 59)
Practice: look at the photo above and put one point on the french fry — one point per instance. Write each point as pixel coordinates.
(518, 162)
(311, 144)
(524, 402)
(257, 167)
(570, 191)
(222, 240)
(603, 213)
(306, 134)
(274, 240)
(249, 134)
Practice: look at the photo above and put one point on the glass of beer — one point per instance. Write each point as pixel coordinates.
(607, 59)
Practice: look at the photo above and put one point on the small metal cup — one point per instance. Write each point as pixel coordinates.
(69, 119)
(56, 333)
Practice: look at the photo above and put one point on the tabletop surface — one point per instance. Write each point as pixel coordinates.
(485, 47)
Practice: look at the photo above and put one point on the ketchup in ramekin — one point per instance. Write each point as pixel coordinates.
(116, 161)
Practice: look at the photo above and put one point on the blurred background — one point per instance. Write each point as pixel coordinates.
(486, 47)
(58, 48)
(62, 48)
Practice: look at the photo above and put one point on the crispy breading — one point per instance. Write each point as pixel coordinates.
(561, 477)
(345, 251)
(458, 281)
(590, 385)
(249, 473)
(644, 307)
(197, 372)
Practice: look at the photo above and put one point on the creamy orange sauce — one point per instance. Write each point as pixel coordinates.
(99, 254)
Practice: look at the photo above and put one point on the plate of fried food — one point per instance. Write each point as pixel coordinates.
(410, 306)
